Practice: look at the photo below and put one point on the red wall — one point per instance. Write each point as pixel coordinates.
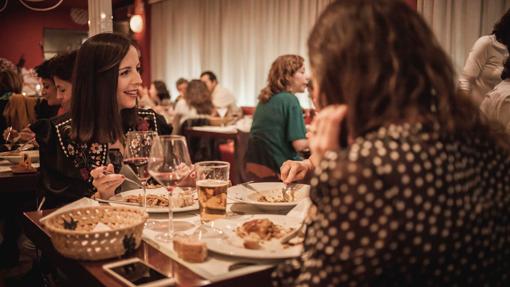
(21, 31)
(412, 3)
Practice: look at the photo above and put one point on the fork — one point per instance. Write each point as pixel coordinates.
(126, 179)
(286, 188)
(292, 234)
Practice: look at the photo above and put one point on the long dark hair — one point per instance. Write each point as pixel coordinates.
(198, 96)
(10, 81)
(383, 61)
(502, 29)
(94, 108)
(62, 65)
(161, 90)
(280, 74)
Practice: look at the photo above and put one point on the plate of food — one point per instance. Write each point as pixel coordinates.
(254, 236)
(157, 199)
(15, 157)
(269, 195)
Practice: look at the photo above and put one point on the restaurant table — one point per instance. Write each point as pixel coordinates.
(91, 273)
(17, 183)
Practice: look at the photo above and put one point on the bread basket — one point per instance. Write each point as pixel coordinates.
(75, 234)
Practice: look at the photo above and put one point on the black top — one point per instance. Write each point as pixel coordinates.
(405, 206)
(45, 111)
(66, 164)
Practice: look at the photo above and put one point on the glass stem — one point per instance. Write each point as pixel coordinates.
(144, 203)
(170, 215)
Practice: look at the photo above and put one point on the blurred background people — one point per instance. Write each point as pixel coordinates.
(223, 99)
(197, 103)
(181, 85)
(496, 104)
(278, 131)
(62, 67)
(484, 63)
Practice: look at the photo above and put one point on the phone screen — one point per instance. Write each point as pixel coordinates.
(138, 273)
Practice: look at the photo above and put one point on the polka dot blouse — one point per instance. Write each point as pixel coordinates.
(405, 206)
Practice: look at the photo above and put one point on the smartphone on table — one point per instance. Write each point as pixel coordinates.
(136, 273)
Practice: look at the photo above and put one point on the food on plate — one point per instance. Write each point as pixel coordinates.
(24, 165)
(274, 197)
(251, 242)
(154, 200)
(190, 249)
(153, 186)
(255, 231)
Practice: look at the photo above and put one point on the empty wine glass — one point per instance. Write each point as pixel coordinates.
(137, 150)
(222, 112)
(169, 163)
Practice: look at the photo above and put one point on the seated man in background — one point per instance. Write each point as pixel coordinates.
(223, 99)
(181, 85)
(496, 104)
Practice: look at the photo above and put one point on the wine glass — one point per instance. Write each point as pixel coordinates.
(137, 150)
(169, 163)
(222, 112)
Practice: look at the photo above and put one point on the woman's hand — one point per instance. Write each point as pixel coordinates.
(105, 181)
(325, 130)
(293, 170)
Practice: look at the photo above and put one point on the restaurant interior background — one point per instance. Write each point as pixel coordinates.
(236, 39)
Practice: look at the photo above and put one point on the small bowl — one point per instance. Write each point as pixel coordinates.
(16, 157)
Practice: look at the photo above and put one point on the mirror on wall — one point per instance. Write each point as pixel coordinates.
(57, 41)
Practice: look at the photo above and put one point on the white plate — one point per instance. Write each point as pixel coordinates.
(239, 193)
(224, 239)
(157, 191)
(34, 155)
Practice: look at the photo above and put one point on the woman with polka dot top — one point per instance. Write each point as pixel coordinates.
(421, 195)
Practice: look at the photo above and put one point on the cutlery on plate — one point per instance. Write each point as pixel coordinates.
(117, 202)
(239, 265)
(292, 234)
(25, 146)
(249, 186)
(126, 179)
(285, 193)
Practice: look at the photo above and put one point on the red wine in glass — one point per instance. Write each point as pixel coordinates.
(140, 166)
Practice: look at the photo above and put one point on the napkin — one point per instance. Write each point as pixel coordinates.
(83, 202)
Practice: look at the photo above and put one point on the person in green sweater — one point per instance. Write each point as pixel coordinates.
(278, 130)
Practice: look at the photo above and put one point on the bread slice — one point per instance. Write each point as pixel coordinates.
(190, 249)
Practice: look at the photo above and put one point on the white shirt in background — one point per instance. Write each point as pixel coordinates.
(482, 71)
(496, 104)
(184, 111)
(222, 97)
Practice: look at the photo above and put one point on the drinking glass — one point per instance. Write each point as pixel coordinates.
(222, 112)
(169, 163)
(212, 185)
(137, 151)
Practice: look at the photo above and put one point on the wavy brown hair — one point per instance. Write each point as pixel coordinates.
(10, 81)
(198, 96)
(383, 61)
(278, 80)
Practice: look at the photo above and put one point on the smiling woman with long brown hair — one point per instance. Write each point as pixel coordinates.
(421, 194)
(77, 146)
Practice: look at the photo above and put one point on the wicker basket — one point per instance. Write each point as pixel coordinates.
(72, 235)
